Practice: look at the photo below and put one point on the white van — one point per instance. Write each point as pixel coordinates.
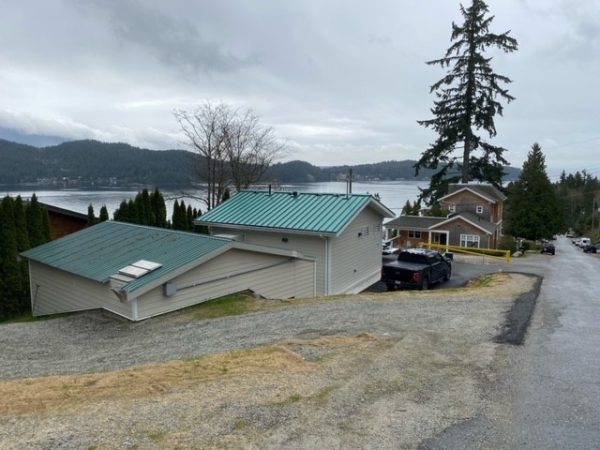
(582, 242)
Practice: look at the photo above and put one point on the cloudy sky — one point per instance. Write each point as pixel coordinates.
(343, 81)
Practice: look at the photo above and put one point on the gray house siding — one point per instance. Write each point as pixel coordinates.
(270, 276)
(356, 254)
(55, 291)
(310, 246)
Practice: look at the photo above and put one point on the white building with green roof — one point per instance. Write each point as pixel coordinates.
(138, 272)
(341, 232)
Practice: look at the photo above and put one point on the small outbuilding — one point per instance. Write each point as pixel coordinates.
(138, 272)
(342, 232)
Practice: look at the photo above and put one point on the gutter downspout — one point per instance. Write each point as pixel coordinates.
(327, 264)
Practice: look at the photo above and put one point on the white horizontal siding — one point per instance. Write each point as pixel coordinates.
(56, 291)
(356, 260)
(312, 246)
(234, 271)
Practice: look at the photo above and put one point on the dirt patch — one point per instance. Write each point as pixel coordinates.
(62, 392)
(519, 316)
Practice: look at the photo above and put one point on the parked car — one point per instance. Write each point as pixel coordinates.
(584, 241)
(548, 247)
(416, 268)
(590, 248)
(388, 247)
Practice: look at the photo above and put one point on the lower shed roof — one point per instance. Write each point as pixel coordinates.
(100, 251)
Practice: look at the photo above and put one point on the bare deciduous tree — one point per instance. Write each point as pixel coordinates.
(250, 149)
(234, 148)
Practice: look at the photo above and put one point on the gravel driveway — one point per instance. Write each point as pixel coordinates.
(96, 341)
(381, 371)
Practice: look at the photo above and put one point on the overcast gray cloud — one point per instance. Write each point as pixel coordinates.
(343, 81)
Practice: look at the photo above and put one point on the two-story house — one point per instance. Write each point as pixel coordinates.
(474, 220)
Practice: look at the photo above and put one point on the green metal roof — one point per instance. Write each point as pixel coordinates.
(100, 251)
(314, 212)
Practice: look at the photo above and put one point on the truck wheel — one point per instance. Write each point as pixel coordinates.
(447, 276)
(424, 284)
(391, 287)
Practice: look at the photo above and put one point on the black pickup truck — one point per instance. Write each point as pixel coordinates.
(416, 268)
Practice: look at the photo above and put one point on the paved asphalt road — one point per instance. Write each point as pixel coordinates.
(556, 384)
(549, 396)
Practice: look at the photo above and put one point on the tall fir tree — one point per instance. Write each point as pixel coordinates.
(189, 214)
(467, 100)
(533, 210)
(11, 282)
(407, 209)
(159, 208)
(35, 222)
(21, 225)
(103, 214)
(91, 217)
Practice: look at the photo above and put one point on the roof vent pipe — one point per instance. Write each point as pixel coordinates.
(269, 189)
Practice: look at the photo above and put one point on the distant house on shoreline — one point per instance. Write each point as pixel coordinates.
(474, 220)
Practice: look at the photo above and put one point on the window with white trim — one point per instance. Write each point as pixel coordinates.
(479, 209)
(451, 208)
(414, 234)
(469, 240)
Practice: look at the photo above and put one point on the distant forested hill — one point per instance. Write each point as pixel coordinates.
(93, 164)
(301, 171)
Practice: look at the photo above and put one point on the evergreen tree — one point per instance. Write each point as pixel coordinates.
(199, 228)
(121, 212)
(159, 208)
(533, 210)
(436, 210)
(189, 215)
(407, 210)
(103, 214)
(226, 195)
(178, 218)
(466, 102)
(91, 217)
(35, 222)
(20, 225)
(11, 281)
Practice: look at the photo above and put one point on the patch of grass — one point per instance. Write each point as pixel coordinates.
(490, 280)
(25, 317)
(239, 425)
(231, 305)
(157, 436)
(482, 282)
(47, 393)
(294, 398)
(323, 396)
(28, 317)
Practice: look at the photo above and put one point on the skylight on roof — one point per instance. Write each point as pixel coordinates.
(139, 268)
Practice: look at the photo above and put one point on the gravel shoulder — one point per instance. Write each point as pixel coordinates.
(368, 371)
